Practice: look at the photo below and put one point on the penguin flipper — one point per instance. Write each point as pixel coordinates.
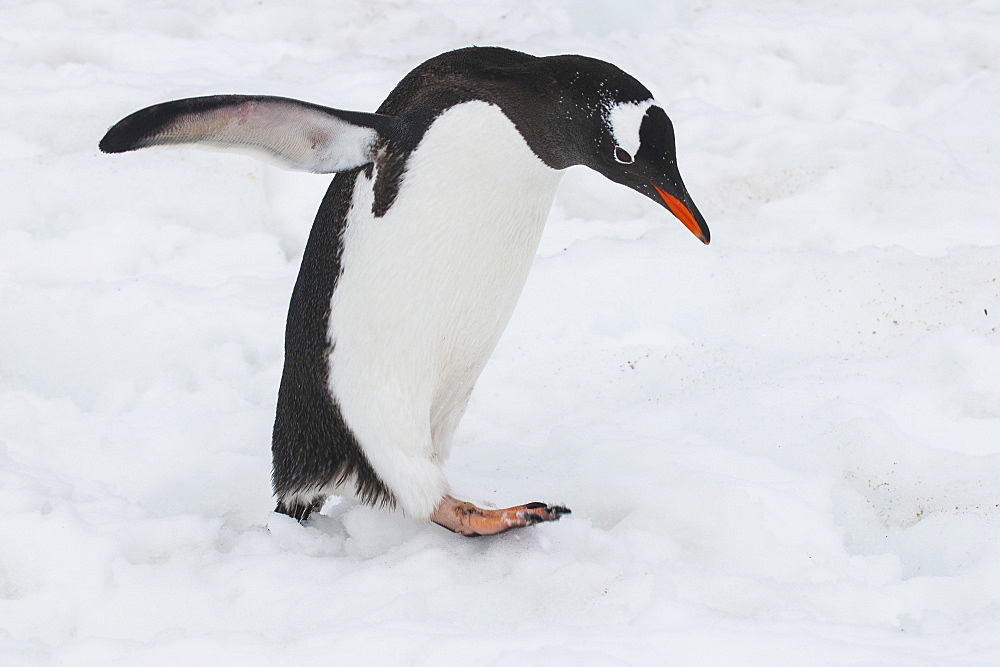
(296, 135)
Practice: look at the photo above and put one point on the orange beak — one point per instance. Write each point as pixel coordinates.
(684, 214)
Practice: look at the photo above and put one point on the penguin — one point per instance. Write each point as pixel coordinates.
(419, 252)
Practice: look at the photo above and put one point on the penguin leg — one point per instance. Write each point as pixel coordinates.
(466, 519)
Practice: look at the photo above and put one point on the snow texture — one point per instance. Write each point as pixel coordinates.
(783, 448)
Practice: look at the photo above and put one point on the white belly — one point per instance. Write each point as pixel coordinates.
(426, 291)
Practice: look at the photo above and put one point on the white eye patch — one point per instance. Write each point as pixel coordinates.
(625, 120)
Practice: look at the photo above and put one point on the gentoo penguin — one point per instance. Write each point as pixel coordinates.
(419, 252)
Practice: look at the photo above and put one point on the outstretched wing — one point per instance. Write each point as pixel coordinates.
(296, 135)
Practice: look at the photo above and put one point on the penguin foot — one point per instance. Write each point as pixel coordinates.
(300, 511)
(466, 519)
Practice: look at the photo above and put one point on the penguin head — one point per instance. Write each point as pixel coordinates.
(646, 161)
(614, 126)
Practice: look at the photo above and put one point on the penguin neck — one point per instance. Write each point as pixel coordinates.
(472, 160)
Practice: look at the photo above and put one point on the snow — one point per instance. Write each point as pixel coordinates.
(783, 448)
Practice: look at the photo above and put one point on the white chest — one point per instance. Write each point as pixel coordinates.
(426, 290)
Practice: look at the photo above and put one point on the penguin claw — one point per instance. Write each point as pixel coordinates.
(466, 519)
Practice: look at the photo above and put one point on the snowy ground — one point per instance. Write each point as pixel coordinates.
(783, 448)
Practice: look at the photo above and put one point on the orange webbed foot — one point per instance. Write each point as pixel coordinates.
(466, 519)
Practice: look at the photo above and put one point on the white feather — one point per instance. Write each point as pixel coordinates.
(426, 291)
(625, 120)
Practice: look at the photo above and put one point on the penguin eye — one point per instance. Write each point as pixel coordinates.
(622, 155)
